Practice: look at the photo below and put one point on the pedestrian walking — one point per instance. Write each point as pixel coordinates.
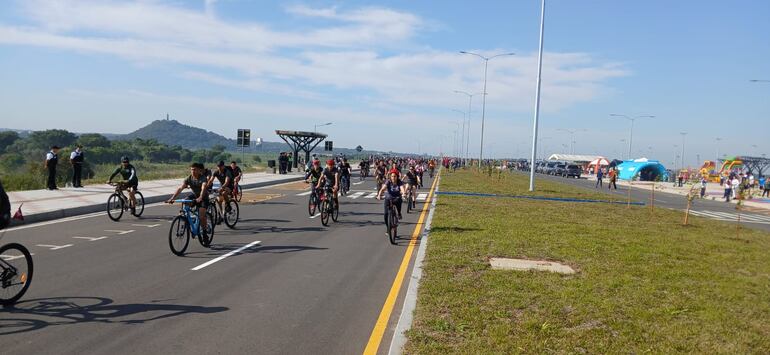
(680, 178)
(76, 159)
(766, 192)
(599, 176)
(703, 183)
(613, 179)
(51, 159)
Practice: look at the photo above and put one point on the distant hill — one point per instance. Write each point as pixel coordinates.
(172, 132)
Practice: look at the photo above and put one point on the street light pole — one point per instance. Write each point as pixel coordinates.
(716, 162)
(572, 137)
(484, 98)
(537, 99)
(683, 134)
(468, 135)
(462, 138)
(315, 127)
(631, 134)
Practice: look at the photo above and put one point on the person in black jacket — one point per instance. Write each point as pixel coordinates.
(5, 208)
(76, 159)
(51, 159)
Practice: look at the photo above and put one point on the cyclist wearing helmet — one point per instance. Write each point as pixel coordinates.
(128, 174)
(412, 181)
(330, 178)
(393, 190)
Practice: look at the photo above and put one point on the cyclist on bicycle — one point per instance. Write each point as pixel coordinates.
(198, 183)
(420, 169)
(237, 172)
(330, 178)
(364, 166)
(224, 175)
(128, 174)
(345, 171)
(5, 208)
(393, 190)
(313, 174)
(412, 181)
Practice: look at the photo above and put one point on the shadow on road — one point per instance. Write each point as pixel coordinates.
(40, 313)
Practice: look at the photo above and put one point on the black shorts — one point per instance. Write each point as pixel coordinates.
(132, 184)
(193, 197)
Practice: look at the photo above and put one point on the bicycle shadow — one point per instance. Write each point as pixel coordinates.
(31, 314)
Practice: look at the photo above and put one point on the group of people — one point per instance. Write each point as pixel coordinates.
(284, 163)
(737, 183)
(612, 176)
(52, 161)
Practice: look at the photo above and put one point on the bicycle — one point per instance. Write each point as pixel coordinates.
(328, 208)
(15, 277)
(313, 201)
(345, 182)
(187, 224)
(431, 172)
(231, 214)
(391, 221)
(118, 202)
(237, 192)
(409, 203)
(362, 175)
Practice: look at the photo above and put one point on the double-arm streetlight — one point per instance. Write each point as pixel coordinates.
(468, 136)
(683, 134)
(484, 98)
(572, 137)
(315, 127)
(631, 134)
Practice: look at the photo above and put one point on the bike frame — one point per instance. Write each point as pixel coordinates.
(187, 211)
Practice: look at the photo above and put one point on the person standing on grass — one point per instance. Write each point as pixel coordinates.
(51, 159)
(76, 159)
(613, 179)
(599, 176)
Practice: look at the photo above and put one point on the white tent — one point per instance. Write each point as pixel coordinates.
(576, 158)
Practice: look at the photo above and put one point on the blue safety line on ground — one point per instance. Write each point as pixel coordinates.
(560, 199)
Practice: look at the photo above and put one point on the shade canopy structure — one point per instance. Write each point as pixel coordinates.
(301, 141)
(642, 170)
(601, 161)
(575, 158)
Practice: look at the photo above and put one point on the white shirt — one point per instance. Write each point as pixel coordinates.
(49, 156)
(735, 182)
(73, 155)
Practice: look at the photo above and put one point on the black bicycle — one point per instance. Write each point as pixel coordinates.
(345, 182)
(410, 205)
(313, 201)
(118, 202)
(329, 206)
(15, 272)
(392, 221)
(230, 215)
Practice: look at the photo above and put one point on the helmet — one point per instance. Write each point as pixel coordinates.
(316, 162)
(124, 159)
(330, 162)
(394, 171)
(221, 163)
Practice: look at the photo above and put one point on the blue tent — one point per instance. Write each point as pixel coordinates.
(642, 170)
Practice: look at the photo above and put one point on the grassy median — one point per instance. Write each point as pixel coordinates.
(645, 283)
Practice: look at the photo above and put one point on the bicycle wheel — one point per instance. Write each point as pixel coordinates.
(393, 225)
(210, 226)
(214, 211)
(335, 210)
(409, 202)
(16, 273)
(139, 208)
(179, 235)
(231, 218)
(115, 207)
(325, 204)
(312, 204)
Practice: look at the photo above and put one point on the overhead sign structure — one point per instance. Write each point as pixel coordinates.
(328, 146)
(359, 149)
(244, 138)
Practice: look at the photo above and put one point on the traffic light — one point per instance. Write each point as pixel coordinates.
(244, 138)
(328, 146)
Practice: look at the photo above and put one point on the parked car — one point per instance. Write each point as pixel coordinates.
(559, 169)
(573, 170)
(548, 168)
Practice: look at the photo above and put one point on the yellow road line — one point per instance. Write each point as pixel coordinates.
(382, 321)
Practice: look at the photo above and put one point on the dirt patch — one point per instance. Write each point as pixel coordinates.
(250, 197)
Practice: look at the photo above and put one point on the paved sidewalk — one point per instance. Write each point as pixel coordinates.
(42, 205)
(713, 191)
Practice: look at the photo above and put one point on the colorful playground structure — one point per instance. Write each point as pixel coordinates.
(728, 165)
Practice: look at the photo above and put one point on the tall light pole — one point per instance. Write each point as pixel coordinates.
(683, 135)
(462, 137)
(484, 98)
(631, 134)
(468, 136)
(537, 99)
(623, 142)
(457, 149)
(315, 127)
(716, 162)
(572, 137)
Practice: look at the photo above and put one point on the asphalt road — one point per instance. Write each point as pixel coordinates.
(704, 208)
(115, 287)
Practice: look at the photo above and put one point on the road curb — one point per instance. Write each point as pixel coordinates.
(78, 211)
(410, 300)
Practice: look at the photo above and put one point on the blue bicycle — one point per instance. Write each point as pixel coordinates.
(187, 224)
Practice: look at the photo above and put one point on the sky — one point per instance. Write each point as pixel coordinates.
(385, 73)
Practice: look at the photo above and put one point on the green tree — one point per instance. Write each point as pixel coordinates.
(7, 138)
(92, 140)
(45, 139)
(218, 148)
(11, 161)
